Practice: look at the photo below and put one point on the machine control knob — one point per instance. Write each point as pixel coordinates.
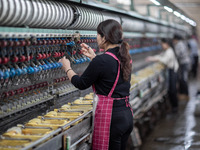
(46, 84)
(83, 60)
(44, 67)
(44, 42)
(31, 56)
(61, 41)
(30, 70)
(40, 67)
(11, 93)
(40, 42)
(11, 43)
(34, 87)
(21, 90)
(37, 86)
(39, 56)
(62, 53)
(16, 92)
(22, 43)
(12, 72)
(55, 54)
(47, 55)
(28, 43)
(48, 42)
(29, 88)
(50, 66)
(57, 65)
(5, 60)
(77, 61)
(60, 65)
(22, 58)
(6, 74)
(1, 74)
(53, 42)
(28, 58)
(44, 56)
(25, 89)
(24, 71)
(19, 71)
(5, 94)
(36, 69)
(78, 42)
(57, 41)
(15, 59)
(53, 65)
(3, 43)
(61, 79)
(41, 84)
(16, 43)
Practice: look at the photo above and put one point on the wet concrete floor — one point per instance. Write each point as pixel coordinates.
(179, 131)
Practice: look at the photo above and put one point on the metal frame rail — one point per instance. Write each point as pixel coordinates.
(57, 135)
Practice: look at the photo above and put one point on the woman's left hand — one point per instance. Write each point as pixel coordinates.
(149, 58)
(66, 63)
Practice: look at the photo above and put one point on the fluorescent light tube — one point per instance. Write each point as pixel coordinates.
(155, 2)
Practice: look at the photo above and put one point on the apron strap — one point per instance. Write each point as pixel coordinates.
(117, 78)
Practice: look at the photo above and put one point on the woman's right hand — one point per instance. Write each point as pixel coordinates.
(87, 51)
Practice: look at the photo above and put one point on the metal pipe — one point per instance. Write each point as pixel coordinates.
(132, 5)
(81, 139)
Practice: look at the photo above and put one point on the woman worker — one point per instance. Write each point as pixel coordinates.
(168, 58)
(109, 74)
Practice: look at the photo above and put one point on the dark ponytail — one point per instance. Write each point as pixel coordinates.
(112, 31)
(125, 60)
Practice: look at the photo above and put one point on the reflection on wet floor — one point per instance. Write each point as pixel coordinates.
(179, 131)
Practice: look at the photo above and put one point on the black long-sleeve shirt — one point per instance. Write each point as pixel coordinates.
(102, 72)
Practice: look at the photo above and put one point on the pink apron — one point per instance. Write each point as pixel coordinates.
(103, 113)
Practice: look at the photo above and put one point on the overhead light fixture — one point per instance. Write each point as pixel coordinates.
(187, 20)
(168, 9)
(183, 17)
(125, 2)
(155, 2)
(192, 23)
(177, 14)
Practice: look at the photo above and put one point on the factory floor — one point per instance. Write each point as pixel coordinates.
(179, 131)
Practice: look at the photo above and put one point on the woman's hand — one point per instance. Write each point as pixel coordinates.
(66, 63)
(87, 51)
(150, 58)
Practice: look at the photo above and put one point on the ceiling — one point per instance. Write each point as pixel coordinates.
(190, 7)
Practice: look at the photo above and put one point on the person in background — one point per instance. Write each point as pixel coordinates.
(182, 55)
(168, 58)
(193, 46)
(110, 75)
